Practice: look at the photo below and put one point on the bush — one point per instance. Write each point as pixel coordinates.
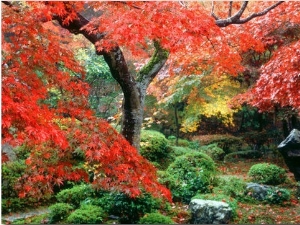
(153, 145)
(59, 211)
(178, 151)
(87, 214)
(13, 204)
(76, 194)
(155, 218)
(266, 173)
(233, 187)
(189, 174)
(130, 210)
(228, 143)
(222, 198)
(277, 195)
(11, 172)
(250, 154)
(213, 151)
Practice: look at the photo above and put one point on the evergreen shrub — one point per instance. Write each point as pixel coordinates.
(86, 214)
(76, 194)
(59, 211)
(155, 218)
(213, 151)
(267, 173)
(189, 174)
(153, 146)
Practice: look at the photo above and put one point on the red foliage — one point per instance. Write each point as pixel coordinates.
(35, 62)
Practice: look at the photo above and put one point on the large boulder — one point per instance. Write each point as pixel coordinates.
(210, 212)
(257, 191)
(290, 150)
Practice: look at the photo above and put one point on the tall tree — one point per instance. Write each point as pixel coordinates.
(185, 34)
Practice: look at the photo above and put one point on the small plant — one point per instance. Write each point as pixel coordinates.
(130, 210)
(266, 173)
(86, 214)
(155, 218)
(59, 211)
(213, 151)
(189, 174)
(233, 187)
(153, 145)
(277, 195)
(75, 194)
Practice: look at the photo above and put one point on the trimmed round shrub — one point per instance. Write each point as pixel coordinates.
(86, 214)
(266, 173)
(153, 145)
(189, 174)
(59, 211)
(130, 210)
(213, 151)
(155, 218)
(178, 150)
(76, 194)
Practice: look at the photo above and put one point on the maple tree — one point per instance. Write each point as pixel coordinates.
(35, 61)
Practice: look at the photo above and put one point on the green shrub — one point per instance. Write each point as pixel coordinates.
(178, 151)
(266, 173)
(11, 172)
(87, 214)
(130, 210)
(155, 218)
(59, 211)
(277, 195)
(13, 204)
(76, 194)
(250, 154)
(222, 198)
(189, 174)
(213, 151)
(233, 187)
(228, 143)
(153, 145)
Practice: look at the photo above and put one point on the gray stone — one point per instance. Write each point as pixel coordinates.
(9, 152)
(290, 150)
(210, 212)
(257, 191)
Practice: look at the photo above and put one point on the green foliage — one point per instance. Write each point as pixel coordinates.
(266, 173)
(277, 195)
(250, 154)
(86, 214)
(11, 172)
(189, 174)
(233, 187)
(153, 145)
(213, 151)
(178, 151)
(76, 194)
(130, 210)
(13, 204)
(220, 197)
(155, 218)
(228, 143)
(59, 211)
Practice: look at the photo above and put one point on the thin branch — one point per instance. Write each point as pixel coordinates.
(230, 9)
(212, 11)
(261, 13)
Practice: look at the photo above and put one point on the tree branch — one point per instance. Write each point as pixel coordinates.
(264, 12)
(212, 11)
(236, 18)
(230, 9)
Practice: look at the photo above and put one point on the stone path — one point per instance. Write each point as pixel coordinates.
(23, 215)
